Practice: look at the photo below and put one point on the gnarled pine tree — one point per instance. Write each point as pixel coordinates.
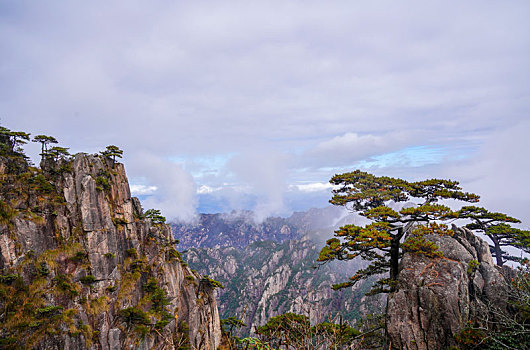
(380, 242)
(44, 140)
(497, 226)
(112, 152)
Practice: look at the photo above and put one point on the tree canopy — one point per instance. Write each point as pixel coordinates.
(56, 153)
(112, 152)
(45, 141)
(380, 241)
(156, 216)
(294, 331)
(497, 227)
(16, 138)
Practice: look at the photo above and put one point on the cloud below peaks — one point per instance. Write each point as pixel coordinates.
(170, 188)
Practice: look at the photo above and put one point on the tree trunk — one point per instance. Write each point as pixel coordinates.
(394, 256)
(498, 250)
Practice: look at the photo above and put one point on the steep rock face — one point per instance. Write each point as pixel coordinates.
(266, 279)
(436, 298)
(89, 270)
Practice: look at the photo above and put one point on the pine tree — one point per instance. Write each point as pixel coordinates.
(57, 152)
(380, 242)
(497, 227)
(16, 138)
(45, 141)
(156, 216)
(112, 151)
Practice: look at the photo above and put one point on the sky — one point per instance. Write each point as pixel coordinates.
(230, 105)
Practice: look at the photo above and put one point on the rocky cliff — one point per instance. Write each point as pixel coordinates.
(82, 268)
(437, 298)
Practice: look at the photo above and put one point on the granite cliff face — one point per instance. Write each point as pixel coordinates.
(82, 268)
(436, 298)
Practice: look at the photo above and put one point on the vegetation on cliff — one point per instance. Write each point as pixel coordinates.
(81, 265)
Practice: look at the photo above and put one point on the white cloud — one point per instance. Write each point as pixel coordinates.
(203, 189)
(330, 84)
(139, 190)
(499, 172)
(265, 171)
(351, 147)
(313, 187)
(176, 194)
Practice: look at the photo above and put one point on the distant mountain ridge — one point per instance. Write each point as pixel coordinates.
(239, 229)
(270, 268)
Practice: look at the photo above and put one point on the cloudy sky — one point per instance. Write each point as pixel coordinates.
(256, 104)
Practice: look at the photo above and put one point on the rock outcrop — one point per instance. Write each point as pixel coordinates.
(436, 298)
(82, 268)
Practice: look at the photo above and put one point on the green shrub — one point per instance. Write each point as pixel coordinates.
(141, 330)
(472, 265)
(173, 254)
(138, 265)
(419, 245)
(155, 216)
(8, 342)
(43, 269)
(8, 279)
(6, 213)
(132, 252)
(119, 221)
(158, 296)
(88, 280)
(183, 330)
(102, 183)
(151, 285)
(48, 311)
(79, 257)
(211, 282)
(64, 284)
(161, 324)
(134, 316)
(159, 299)
(42, 185)
(66, 167)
